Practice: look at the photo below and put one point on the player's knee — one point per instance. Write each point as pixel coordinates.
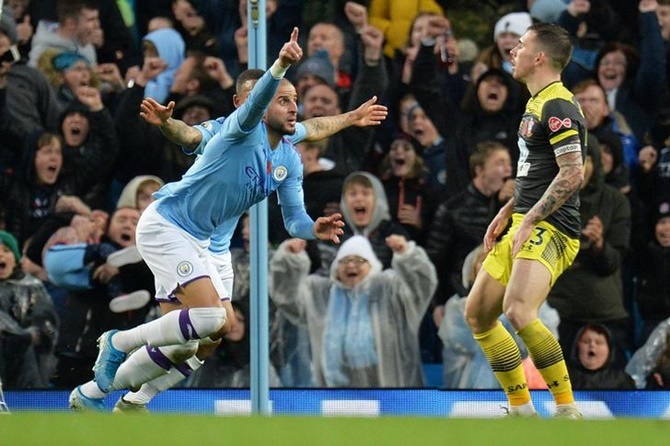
(471, 318)
(518, 315)
(207, 320)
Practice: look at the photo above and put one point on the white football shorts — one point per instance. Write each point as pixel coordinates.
(175, 257)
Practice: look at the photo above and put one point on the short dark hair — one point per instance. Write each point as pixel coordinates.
(483, 150)
(70, 9)
(252, 74)
(555, 41)
(581, 86)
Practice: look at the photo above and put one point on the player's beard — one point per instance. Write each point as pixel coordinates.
(281, 128)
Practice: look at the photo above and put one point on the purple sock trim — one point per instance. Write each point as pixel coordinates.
(186, 326)
(184, 369)
(159, 358)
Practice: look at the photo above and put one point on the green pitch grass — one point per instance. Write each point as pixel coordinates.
(54, 429)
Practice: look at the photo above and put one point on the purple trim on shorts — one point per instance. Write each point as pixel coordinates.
(184, 369)
(159, 358)
(191, 281)
(186, 326)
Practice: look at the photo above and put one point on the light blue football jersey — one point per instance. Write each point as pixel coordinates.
(236, 169)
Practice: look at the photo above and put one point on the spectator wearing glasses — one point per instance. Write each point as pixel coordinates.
(363, 321)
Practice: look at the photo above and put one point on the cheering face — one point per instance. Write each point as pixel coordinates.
(612, 70)
(325, 36)
(421, 127)
(593, 350)
(418, 28)
(506, 41)
(351, 270)
(122, 227)
(282, 113)
(496, 170)
(594, 105)
(360, 201)
(78, 75)
(320, 100)
(402, 157)
(88, 23)
(48, 163)
(75, 129)
(492, 94)
(7, 262)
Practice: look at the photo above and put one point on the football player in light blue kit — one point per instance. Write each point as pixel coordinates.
(194, 140)
(246, 161)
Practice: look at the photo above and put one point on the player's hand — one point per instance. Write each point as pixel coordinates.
(155, 113)
(329, 228)
(522, 235)
(369, 113)
(496, 227)
(291, 51)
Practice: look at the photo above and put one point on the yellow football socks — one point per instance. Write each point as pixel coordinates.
(547, 356)
(505, 360)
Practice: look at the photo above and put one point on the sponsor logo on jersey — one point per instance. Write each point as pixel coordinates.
(184, 268)
(555, 123)
(280, 173)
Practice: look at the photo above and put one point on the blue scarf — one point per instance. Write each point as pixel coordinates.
(348, 337)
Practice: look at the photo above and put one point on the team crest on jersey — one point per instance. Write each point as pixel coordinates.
(280, 173)
(184, 268)
(526, 127)
(555, 123)
(207, 125)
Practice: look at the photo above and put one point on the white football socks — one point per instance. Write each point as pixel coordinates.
(173, 328)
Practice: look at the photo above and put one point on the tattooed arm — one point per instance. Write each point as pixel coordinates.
(176, 131)
(323, 127)
(566, 183)
(180, 133)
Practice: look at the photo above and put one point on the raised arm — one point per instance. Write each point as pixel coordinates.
(176, 131)
(368, 114)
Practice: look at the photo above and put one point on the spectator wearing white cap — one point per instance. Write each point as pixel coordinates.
(506, 33)
(363, 321)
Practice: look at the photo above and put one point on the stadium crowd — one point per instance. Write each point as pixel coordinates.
(385, 307)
